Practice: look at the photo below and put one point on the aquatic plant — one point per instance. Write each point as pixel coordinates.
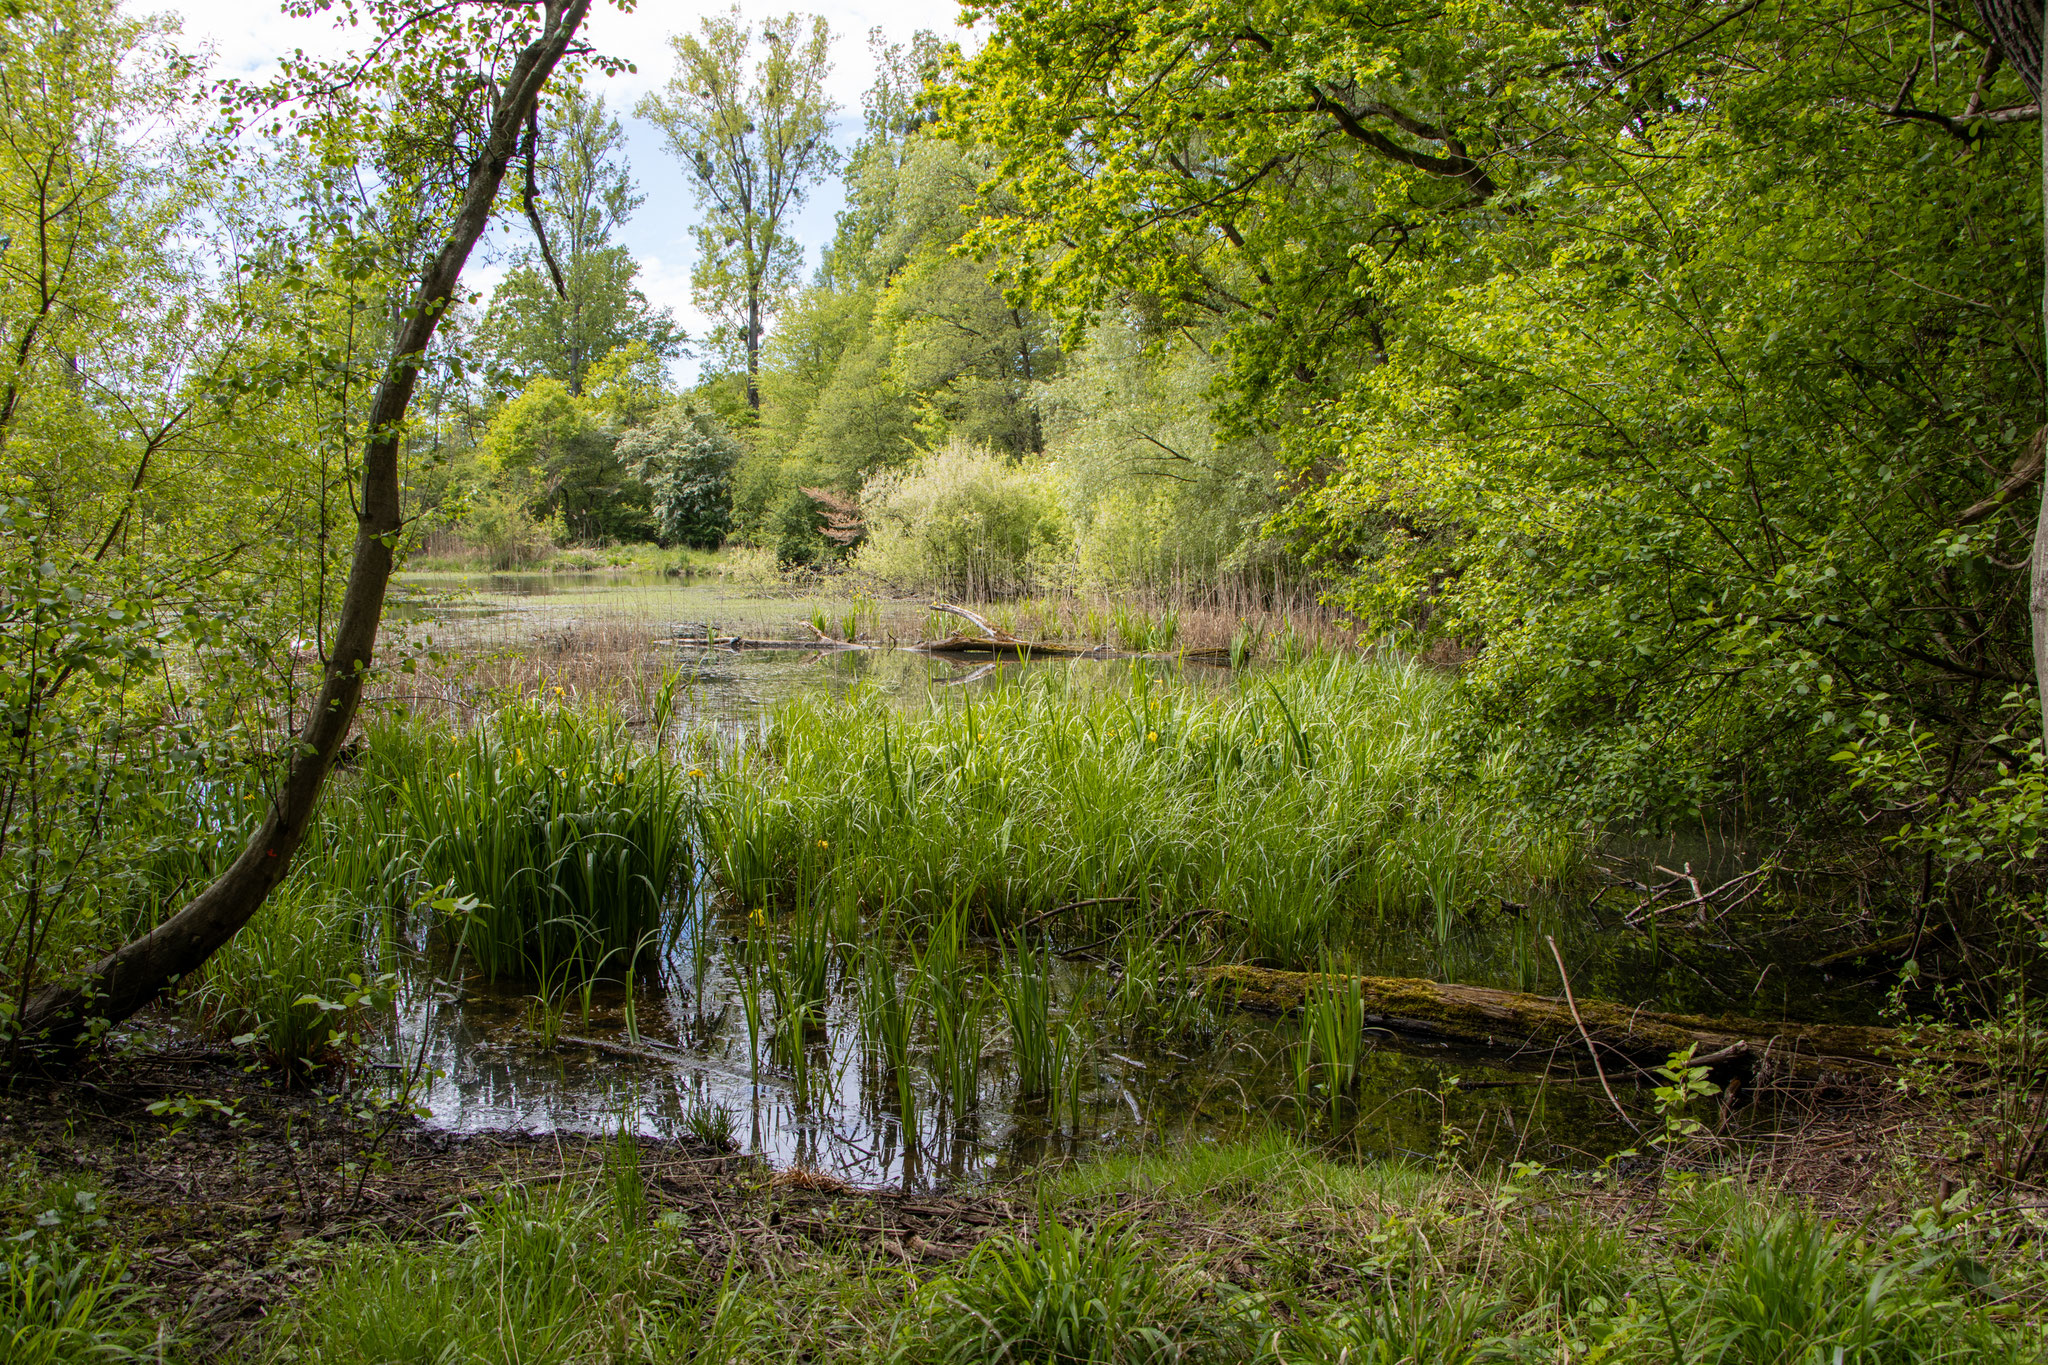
(799, 960)
(956, 999)
(627, 1180)
(1332, 1043)
(889, 1014)
(1024, 985)
(572, 838)
(1301, 809)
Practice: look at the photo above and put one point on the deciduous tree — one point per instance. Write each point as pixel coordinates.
(753, 134)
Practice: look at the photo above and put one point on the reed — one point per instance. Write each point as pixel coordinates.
(1326, 1059)
(572, 838)
(1026, 990)
(1291, 812)
(889, 1015)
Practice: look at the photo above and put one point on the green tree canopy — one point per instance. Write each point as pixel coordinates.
(571, 296)
(754, 136)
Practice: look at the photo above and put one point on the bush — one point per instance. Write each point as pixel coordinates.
(964, 522)
(509, 536)
(686, 458)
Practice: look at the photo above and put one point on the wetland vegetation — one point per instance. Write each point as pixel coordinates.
(1345, 686)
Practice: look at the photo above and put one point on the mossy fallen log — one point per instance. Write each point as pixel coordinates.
(1749, 1050)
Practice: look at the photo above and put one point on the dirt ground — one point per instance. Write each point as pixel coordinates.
(237, 1203)
(223, 1215)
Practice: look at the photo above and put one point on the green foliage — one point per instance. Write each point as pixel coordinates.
(751, 134)
(68, 1310)
(1667, 396)
(1333, 1040)
(686, 459)
(291, 979)
(563, 1286)
(1157, 495)
(64, 1300)
(532, 328)
(560, 452)
(961, 521)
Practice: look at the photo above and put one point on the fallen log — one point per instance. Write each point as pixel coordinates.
(1748, 1050)
(737, 643)
(996, 641)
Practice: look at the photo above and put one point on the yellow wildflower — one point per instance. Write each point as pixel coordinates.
(823, 844)
(696, 772)
(1152, 736)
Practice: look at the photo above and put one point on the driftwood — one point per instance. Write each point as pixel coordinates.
(736, 643)
(1736, 1048)
(990, 641)
(993, 640)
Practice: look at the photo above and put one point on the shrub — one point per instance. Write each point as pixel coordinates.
(962, 521)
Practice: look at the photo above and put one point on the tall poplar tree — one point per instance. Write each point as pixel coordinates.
(752, 132)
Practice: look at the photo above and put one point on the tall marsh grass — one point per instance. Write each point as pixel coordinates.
(1292, 811)
(572, 837)
(278, 984)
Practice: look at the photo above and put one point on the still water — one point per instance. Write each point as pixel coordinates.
(672, 1055)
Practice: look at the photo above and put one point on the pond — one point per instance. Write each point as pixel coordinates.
(674, 1055)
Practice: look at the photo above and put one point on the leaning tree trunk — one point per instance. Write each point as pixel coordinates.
(62, 1018)
(2017, 31)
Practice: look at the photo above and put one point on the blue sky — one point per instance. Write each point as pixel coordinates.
(247, 37)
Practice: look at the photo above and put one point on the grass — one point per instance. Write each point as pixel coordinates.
(1089, 1295)
(65, 1297)
(1296, 813)
(290, 981)
(571, 837)
(1264, 1251)
(548, 1275)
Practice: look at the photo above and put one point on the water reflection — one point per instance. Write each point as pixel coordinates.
(485, 1064)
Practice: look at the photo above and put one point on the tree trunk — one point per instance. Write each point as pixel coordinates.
(2015, 27)
(62, 1018)
(2017, 30)
(753, 349)
(1480, 1016)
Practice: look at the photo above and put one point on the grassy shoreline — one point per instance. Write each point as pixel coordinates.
(271, 1230)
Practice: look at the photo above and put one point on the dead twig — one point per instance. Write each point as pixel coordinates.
(1591, 1050)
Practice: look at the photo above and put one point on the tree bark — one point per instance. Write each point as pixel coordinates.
(1480, 1016)
(64, 1017)
(2016, 28)
(753, 349)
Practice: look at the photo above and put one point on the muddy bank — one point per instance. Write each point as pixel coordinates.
(234, 1204)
